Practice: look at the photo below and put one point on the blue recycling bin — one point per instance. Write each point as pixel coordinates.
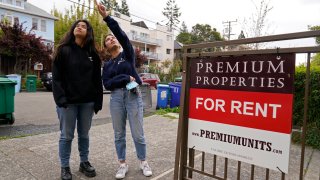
(15, 78)
(162, 96)
(175, 91)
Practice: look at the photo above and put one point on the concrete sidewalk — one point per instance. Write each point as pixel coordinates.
(36, 157)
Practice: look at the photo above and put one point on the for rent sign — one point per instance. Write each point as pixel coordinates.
(241, 108)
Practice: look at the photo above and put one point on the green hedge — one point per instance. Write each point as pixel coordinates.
(313, 123)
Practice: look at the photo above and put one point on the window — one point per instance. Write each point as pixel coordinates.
(18, 3)
(43, 26)
(34, 23)
(9, 2)
(16, 20)
(168, 51)
(144, 35)
(169, 38)
(133, 34)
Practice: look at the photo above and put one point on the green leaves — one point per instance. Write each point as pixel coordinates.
(171, 12)
(313, 121)
(199, 33)
(80, 11)
(313, 28)
(15, 42)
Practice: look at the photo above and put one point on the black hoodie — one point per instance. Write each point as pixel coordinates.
(77, 77)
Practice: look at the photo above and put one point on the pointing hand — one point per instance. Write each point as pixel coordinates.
(101, 9)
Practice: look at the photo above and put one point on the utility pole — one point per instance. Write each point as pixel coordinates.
(229, 27)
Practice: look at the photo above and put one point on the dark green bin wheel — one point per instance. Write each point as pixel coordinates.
(11, 121)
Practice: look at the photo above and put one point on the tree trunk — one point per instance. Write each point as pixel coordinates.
(15, 65)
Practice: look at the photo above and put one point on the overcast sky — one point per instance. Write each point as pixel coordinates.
(287, 16)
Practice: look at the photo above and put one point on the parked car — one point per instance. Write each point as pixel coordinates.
(46, 79)
(152, 79)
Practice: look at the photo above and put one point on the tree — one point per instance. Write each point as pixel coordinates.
(107, 3)
(257, 24)
(184, 38)
(204, 33)
(199, 33)
(24, 48)
(124, 8)
(67, 18)
(183, 28)
(171, 12)
(313, 28)
(140, 58)
(241, 35)
(111, 5)
(315, 61)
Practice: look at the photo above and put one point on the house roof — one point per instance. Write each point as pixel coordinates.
(177, 45)
(30, 9)
(140, 24)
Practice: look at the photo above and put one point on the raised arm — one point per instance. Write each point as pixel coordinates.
(117, 31)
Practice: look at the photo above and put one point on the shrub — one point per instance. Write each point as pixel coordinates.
(313, 120)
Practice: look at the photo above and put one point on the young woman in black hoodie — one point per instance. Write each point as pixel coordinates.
(117, 73)
(77, 91)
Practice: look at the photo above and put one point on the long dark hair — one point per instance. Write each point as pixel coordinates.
(69, 38)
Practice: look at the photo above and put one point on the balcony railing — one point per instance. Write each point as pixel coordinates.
(152, 55)
(142, 39)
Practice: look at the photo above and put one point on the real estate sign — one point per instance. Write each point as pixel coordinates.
(241, 108)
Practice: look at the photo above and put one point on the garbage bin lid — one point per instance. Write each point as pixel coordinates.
(13, 75)
(176, 84)
(31, 76)
(6, 81)
(163, 85)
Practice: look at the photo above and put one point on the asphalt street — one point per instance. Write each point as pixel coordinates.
(35, 113)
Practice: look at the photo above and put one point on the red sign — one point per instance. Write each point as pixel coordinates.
(265, 111)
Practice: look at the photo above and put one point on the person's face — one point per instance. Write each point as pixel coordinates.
(80, 30)
(111, 42)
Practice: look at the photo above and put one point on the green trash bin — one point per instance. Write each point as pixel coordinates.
(7, 92)
(31, 83)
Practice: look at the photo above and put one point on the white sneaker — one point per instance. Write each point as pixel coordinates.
(122, 170)
(144, 166)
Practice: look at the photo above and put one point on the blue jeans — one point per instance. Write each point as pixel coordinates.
(123, 104)
(80, 114)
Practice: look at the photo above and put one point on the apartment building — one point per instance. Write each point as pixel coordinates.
(20, 11)
(156, 43)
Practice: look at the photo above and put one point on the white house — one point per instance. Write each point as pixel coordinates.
(157, 44)
(20, 11)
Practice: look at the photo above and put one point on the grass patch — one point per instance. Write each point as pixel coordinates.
(168, 110)
(13, 137)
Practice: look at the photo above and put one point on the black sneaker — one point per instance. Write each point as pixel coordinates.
(66, 173)
(87, 169)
